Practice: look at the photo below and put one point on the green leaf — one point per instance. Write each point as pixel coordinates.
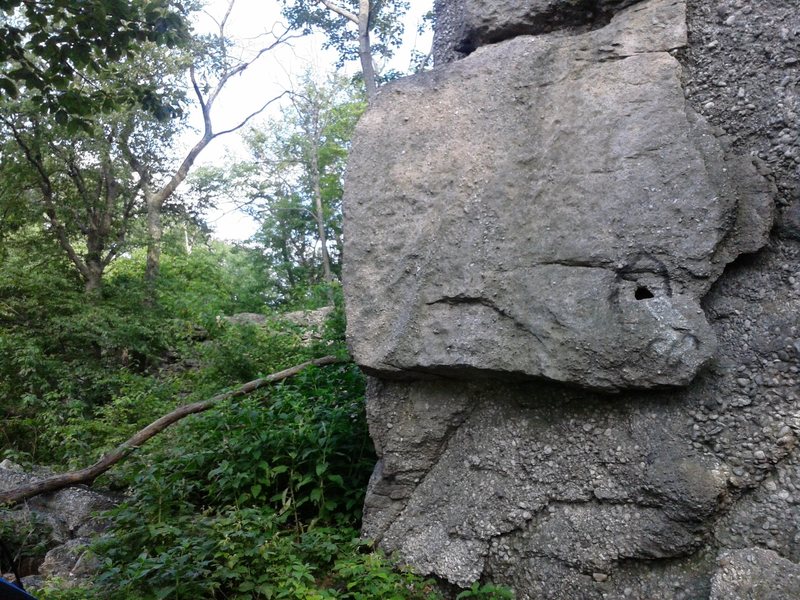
(8, 87)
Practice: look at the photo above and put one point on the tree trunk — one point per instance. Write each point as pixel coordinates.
(320, 213)
(365, 51)
(187, 243)
(154, 235)
(93, 279)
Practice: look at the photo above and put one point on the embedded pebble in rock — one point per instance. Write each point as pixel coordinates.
(755, 573)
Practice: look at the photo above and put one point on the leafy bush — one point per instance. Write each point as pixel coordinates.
(26, 535)
(242, 499)
(69, 363)
(239, 353)
(63, 355)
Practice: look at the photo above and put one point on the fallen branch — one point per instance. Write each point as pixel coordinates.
(89, 474)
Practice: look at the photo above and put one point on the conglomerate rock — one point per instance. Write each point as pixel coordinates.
(684, 493)
(59, 524)
(548, 206)
(755, 574)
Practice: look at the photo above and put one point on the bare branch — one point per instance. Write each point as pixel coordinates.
(89, 474)
(251, 115)
(183, 170)
(205, 105)
(342, 12)
(224, 21)
(133, 160)
(241, 68)
(75, 174)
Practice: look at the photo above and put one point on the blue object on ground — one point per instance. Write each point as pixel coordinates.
(8, 591)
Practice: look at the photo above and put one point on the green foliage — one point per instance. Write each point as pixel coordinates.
(366, 575)
(239, 502)
(241, 353)
(77, 183)
(215, 279)
(385, 24)
(76, 376)
(27, 534)
(46, 45)
(56, 589)
(61, 356)
(305, 152)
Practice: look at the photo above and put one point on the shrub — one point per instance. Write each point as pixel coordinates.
(249, 500)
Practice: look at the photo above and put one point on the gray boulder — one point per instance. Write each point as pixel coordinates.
(58, 526)
(314, 319)
(547, 207)
(557, 491)
(255, 319)
(73, 563)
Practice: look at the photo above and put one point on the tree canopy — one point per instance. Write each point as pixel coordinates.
(52, 50)
(363, 30)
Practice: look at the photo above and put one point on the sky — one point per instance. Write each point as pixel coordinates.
(251, 23)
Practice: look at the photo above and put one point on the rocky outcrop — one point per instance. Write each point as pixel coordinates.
(311, 323)
(548, 207)
(53, 531)
(464, 25)
(515, 254)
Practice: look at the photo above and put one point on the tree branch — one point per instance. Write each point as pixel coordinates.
(133, 160)
(33, 156)
(241, 68)
(250, 116)
(89, 474)
(183, 171)
(342, 12)
(365, 51)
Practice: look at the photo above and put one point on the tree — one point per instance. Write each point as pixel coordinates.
(295, 180)
(53, 51)
(351, 26)
(76, 176)
(93, 181)
(213, 67)
(79, 189)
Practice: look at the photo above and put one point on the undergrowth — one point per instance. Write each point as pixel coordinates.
(259, 498)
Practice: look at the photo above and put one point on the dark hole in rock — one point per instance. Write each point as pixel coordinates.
(642, 293)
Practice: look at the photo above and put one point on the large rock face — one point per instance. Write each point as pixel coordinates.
(547, 207)
(493, 293)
